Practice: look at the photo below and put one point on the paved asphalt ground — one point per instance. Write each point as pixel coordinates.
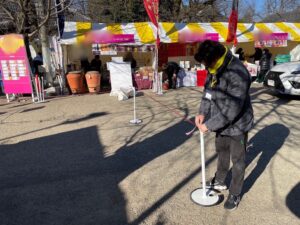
(76, 161)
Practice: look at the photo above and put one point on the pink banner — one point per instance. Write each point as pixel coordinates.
(187, 37)
(263, 40)
(272, 36)
(107, 38)
(14, 65)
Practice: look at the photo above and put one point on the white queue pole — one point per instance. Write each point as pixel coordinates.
(203, 164)
(42, 89)
(37, 84)
(159, 85)
(204, 196)
(32, 96)
(135, 120)
(7, 98)
(36, 89)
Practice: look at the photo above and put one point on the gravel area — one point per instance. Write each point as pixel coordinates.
(77, 160)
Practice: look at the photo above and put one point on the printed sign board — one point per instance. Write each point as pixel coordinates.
(14, 65)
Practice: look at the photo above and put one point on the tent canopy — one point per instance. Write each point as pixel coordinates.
(145, 32)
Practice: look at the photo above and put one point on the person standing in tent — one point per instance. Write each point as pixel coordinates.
(96, 64)
(129, 58)
(226, 109)
(257, 55)
(85, 64)
(265, 65)
(241, 54)
(172, 69)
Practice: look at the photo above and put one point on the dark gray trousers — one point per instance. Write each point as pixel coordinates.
(234, 146)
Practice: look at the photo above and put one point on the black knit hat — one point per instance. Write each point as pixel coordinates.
(209, 52)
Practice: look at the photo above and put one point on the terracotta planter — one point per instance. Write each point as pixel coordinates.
(75, 80)
(93, 80)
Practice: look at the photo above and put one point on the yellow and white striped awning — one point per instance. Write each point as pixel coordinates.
(145, 32)
(169, 32)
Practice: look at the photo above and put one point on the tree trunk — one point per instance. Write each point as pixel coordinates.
(40, 8)
(46, 54)
(27, 44)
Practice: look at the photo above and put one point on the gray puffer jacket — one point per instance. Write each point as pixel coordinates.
(227, 106)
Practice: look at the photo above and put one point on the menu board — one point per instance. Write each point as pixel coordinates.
(13, 69)
(14, 65)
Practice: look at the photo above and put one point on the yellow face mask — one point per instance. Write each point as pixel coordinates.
(213, 71)
(218, 64)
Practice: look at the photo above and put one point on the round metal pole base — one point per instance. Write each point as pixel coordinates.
(135, 121)
(211, 197)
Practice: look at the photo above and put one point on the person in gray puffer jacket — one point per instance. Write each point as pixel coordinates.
(226, 109)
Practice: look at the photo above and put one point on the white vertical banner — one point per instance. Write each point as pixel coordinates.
(155, 68)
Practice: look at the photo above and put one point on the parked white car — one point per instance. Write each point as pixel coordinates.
(284, 78)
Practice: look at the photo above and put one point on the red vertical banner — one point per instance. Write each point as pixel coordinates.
(232, 23)
(152, 8)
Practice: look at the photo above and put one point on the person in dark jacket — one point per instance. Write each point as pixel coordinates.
(129, 58)
(265, 65)
(241, 54)
(172, 70)
(96, 64)
(257, 55)
(85, 64)
(37, 61)
(226, 109)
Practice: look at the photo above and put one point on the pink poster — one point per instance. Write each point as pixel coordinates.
(188, 37)
(100, 37)
(14, 66)
(271, 40)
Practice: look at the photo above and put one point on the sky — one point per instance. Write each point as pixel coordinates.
(259, 4)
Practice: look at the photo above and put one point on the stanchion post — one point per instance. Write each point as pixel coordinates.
(42, 89)
(36, 80)
(7, 98)
(159, 85)
(32, 96)
(203, 164)
(36, 89)
(204, 196)
(135, 120)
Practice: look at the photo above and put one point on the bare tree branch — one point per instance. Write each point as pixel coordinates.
(15, 2)
(44, 21)
(63, 9)
(61, 3)
(7, 12)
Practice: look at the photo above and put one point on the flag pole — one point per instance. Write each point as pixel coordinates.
(152, 9)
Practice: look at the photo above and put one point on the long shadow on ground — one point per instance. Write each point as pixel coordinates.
(265, 143)
(293, 200)
(66, 178)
